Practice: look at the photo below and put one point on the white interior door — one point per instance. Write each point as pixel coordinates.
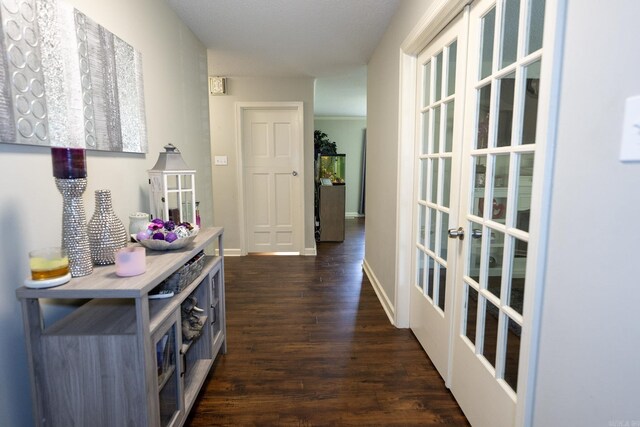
(271, 144)
(438, 148)
(502, 137)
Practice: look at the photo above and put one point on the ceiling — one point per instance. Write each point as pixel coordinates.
(331, 40)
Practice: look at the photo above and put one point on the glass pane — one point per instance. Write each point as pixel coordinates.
(448, 136)
(438, 78)
(423, 178)
(486, 57)
(519, 267)
(172, 182)
(425, 132)
(475, 251)
(536, 25)
(484, 108)
(479, 180)
(422, 213)
(432, 229)
(510, 22)
(434, 180)
(444, 236)
(436, 129)
(430, 284)
(451, 79)
(472, 314)
(174, 211)
(167, 376)
(491, 314)
(185, 182)
(426, 85)
(512, 358)
(442, 288)
(530, 118)
(420, 268)
(496, 250)
(446, 182)
(505, 110)
(523, 192)
(500, 184)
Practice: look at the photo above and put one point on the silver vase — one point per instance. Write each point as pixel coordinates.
(74, 226)
(106, 232)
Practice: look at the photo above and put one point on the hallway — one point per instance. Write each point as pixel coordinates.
(309, 344)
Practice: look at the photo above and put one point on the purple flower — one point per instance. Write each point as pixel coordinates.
(169, 225)
(158, 221)
(158, 236)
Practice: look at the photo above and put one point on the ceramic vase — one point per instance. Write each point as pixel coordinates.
(106, 232)
(138, 221)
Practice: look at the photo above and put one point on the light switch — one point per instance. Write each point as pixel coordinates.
(630, 149)
(220, 160)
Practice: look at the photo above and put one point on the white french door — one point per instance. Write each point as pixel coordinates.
(478, 334)
(439, 109)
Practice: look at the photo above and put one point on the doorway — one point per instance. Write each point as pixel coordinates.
(271, 177)
(480, 200)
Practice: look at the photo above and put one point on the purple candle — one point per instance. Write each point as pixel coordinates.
(68, 163)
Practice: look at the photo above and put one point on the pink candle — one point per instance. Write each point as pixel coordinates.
(68, 163)
(130, 261)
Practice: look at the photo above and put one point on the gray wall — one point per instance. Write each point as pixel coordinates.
(175, 88)
(589, 368)
(382, 146)
(223, 143)
(348, 133)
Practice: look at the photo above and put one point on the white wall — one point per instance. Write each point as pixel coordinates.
(382, 147)
(223, 143)
(348, 133)
(589, 358)
(174, 65)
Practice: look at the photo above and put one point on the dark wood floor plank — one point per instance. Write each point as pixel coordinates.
(310, 345)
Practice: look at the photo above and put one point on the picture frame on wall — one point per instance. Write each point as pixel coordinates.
(66, 81)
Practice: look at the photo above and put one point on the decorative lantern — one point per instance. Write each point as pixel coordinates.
(173, 188)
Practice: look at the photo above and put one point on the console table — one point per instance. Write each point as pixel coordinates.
(119, 359)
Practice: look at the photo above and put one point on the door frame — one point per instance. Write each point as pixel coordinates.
(241, 107)
(429, 26)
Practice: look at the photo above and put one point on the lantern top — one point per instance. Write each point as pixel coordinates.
(170, 160)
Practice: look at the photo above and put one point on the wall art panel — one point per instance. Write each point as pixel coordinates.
(67, 81)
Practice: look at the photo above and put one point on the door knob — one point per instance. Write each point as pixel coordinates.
(476, 233)
(456, 233)
(294, 173)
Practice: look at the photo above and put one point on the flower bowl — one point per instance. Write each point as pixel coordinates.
(163, 245)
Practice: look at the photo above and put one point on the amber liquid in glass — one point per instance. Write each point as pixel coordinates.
(49, 274)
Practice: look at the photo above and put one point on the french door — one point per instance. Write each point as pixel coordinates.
(438, 147)
(480, 242)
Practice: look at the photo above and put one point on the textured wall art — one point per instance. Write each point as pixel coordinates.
(66, 81)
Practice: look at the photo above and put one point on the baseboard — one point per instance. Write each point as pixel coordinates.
(379, 290)
(231, 252)
(310, 251)
(238, 252)
(351, 215)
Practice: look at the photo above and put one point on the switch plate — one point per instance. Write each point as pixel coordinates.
(630, 149)
(220, 160)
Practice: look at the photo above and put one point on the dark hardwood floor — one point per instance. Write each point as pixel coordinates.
(310, 345)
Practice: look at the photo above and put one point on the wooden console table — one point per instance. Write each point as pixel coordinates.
(119, 359)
